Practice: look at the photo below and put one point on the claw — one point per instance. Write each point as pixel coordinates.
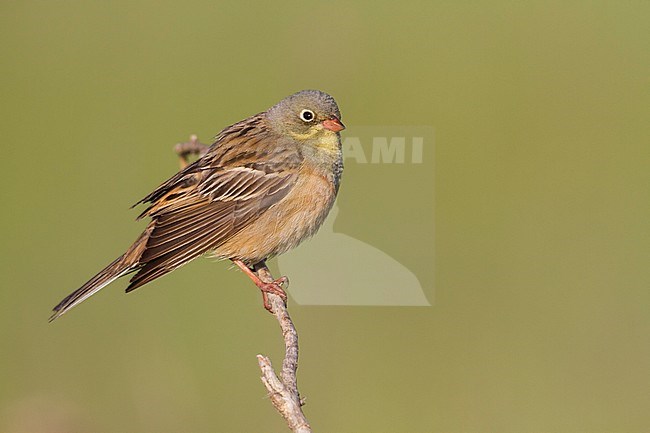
(276, 288)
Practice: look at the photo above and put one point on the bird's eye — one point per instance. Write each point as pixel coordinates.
(307, 115)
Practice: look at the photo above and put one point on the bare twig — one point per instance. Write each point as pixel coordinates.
(192, 147)
(283, 391)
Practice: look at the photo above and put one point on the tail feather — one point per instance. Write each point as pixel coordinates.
(125, 264)
(110, 273)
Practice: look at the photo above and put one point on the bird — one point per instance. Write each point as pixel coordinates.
(264, 185)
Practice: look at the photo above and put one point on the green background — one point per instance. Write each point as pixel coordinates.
(541, 176)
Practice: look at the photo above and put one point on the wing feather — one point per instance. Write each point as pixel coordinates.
(211, 200)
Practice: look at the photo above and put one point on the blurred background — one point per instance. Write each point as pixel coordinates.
(527, 224)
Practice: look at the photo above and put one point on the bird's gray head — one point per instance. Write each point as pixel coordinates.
(305, 115)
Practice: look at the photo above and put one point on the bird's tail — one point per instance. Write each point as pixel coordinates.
(106, 276)
(126, 263)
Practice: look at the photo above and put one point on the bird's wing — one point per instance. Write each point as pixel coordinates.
(243, 174)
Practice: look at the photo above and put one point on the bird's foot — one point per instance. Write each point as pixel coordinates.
(276, 288)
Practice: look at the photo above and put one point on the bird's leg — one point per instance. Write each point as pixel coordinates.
(192, 147)
(274, 287)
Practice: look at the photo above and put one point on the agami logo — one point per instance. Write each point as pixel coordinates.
(361, 265)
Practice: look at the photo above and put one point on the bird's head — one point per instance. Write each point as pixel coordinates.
(307, 115)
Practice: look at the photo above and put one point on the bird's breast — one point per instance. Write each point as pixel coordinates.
(286, 224)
